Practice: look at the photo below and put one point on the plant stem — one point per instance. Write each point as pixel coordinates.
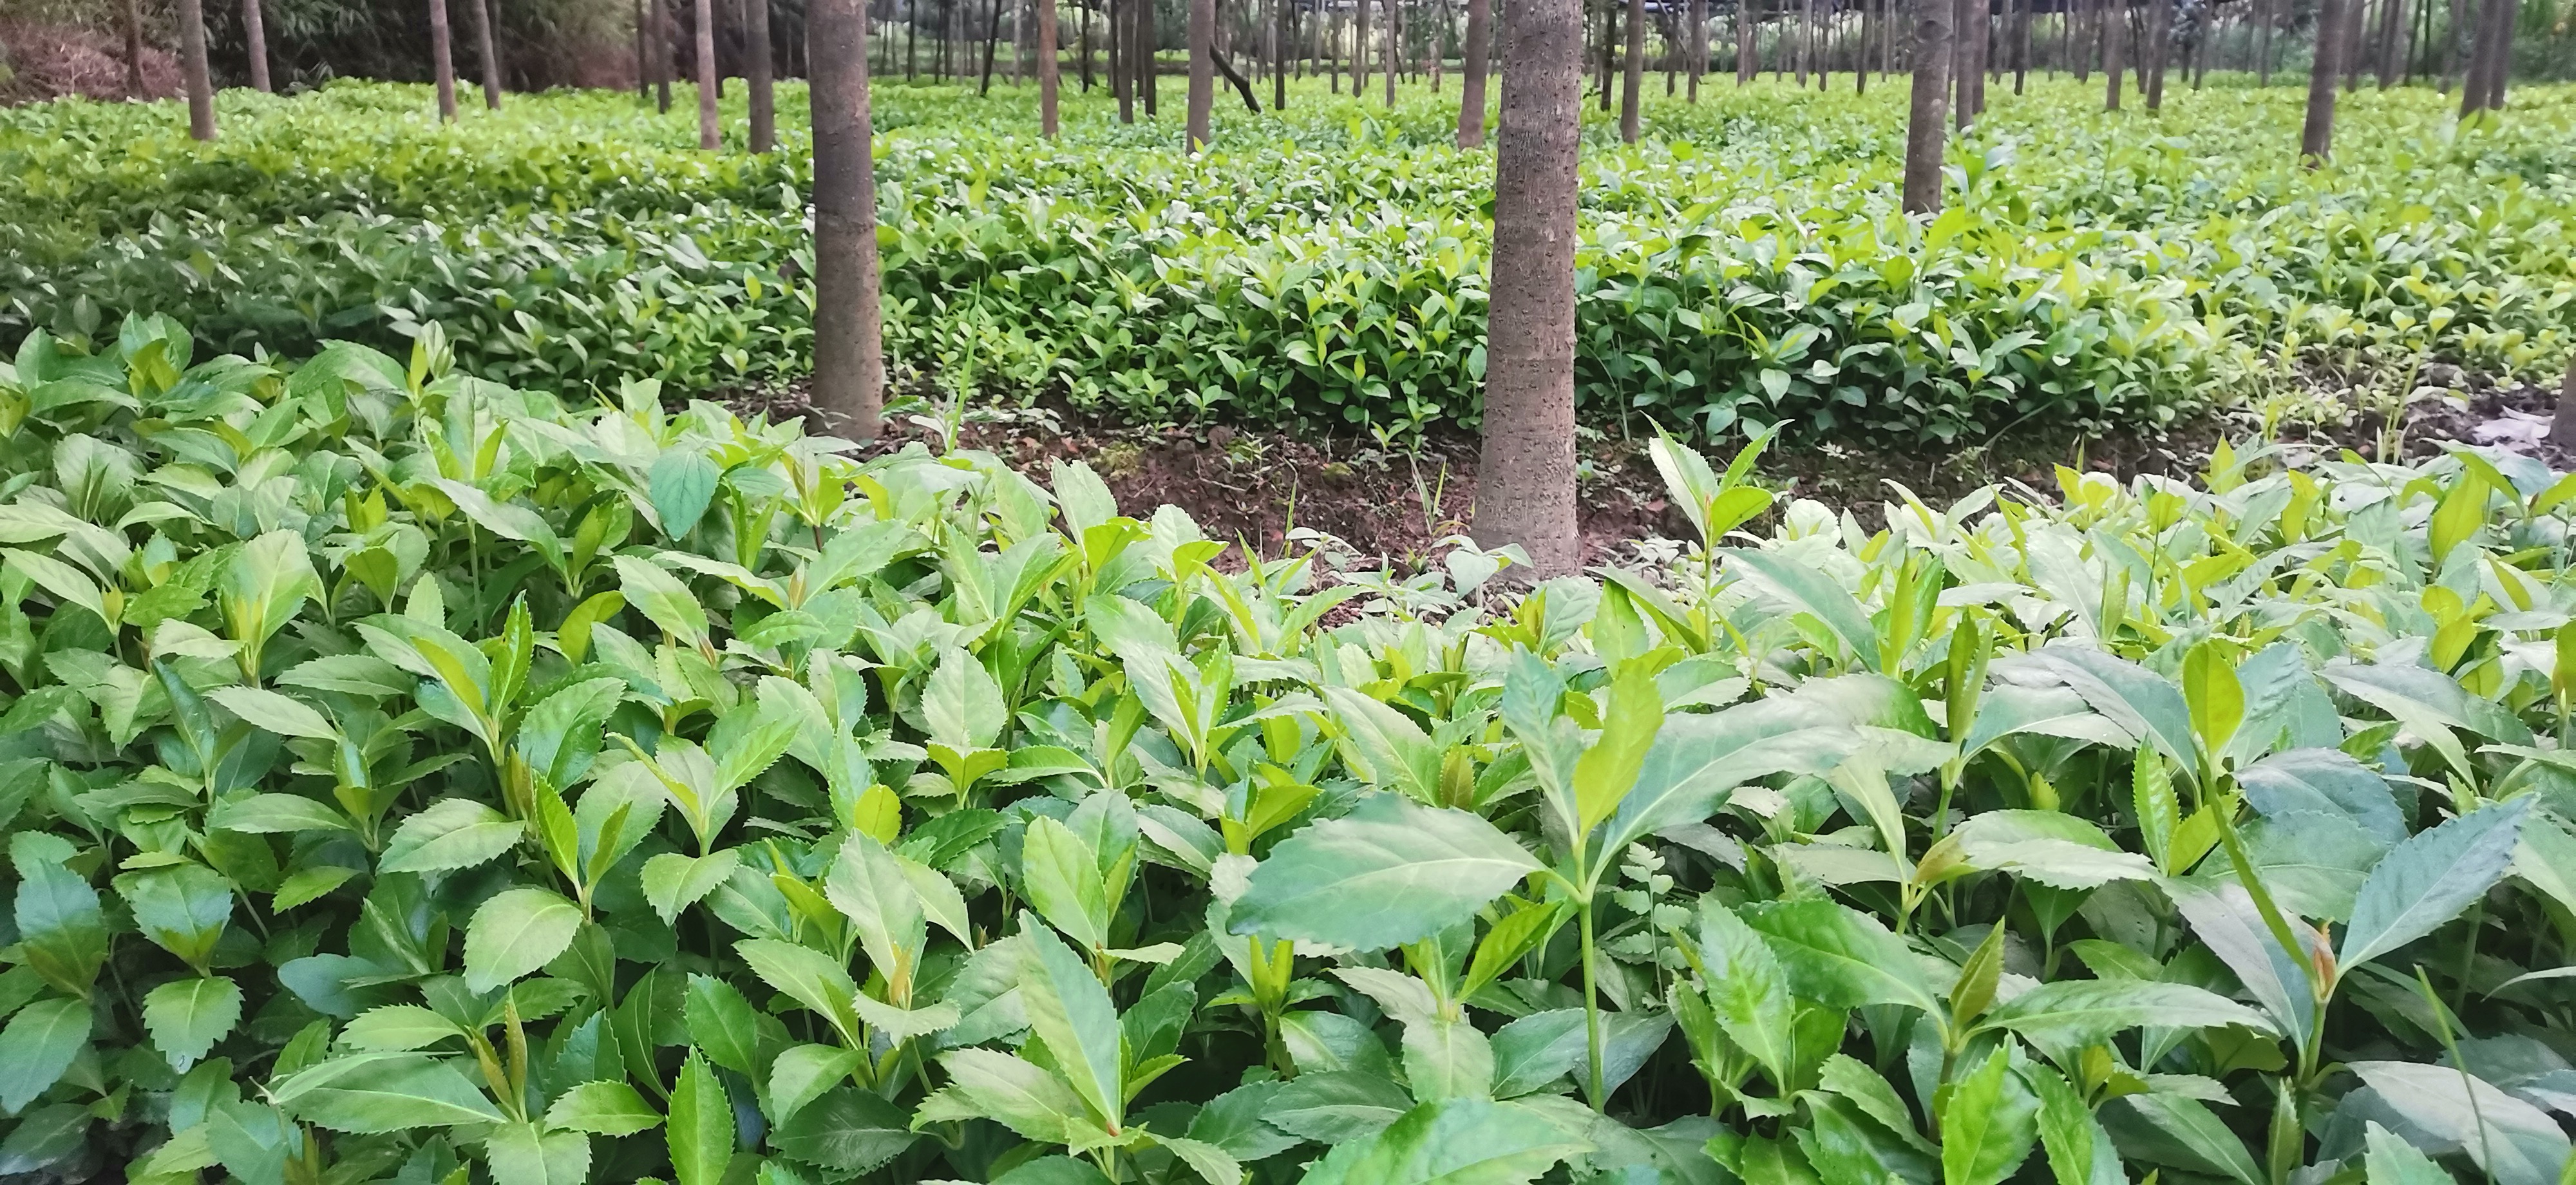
(1591, 1012)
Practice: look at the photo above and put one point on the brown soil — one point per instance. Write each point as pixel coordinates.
(49, 61)
(1255, 486)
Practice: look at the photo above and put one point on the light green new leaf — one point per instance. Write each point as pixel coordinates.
(1452, 1142)
(662, 599)
(1988, 1123)
(961, 703)
(602, 1109)
(1060, 875)
(700, 1134)
(803, 1072)
(275, 713)
(277, 814)
(1811, 591)
(674, 882)
(2388, 1160)
(1384, 745)
(807, 976)
(1746, 988)
(515, 933)
(1390, 872)
(449, 834)
(399, 1027)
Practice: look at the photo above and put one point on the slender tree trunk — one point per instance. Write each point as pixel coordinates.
(1748, 54)
(1927, 126)
(2020, 44)
(2451, 34)
(442, 67)
(1048, 80)
(490, 58)
(134, 49)
(1525, 476)
(710, 129)
(1632, 82)
(1802, 22)
(1698, 45)
(1471, 87)
(2080, 37)
(1121, 76)
(643, 57)
(1609, 46)
(2159, 42)
(1284, 43)
(2490, 58)
(1860, 54)
(1394, 25)
(2392, 24)
(192, 70)
(1149, 74)
(1202, 70)
(2263, 42)
(2316, 136)
(2562, 426)
(1969, 66)
(1359, 48)
(756, 75)
(992, 40)
(255, 37)
(2115, 34)
(665, 33)
(849, 351)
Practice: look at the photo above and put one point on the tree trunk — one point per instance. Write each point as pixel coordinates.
(1968, 68)
(489, 57)
(192, 70)
(849, 351)
(992, 40)
(2263, 42)
(1359, 48)
(1525, 475)
(1284, 43)
(1698, 45)
(1149, 75)
(2489, 58)
(1609, 46)
(1122, 82)
(1748, 54)
(643, 56)
(1927, 127)
(2562, 426)
(2020, 44)
(1471, 87)
(1860, 53)
(2159, 41)
(442, 67)
(1632, 81)
(1202, 70)
(710, 130)
(756, 75)
(255, 37)
(2316, 137)
(2080, 38)
(2115, 34)
(1394, 25)
(2392, 21)
(1048, 80)
(134, 49)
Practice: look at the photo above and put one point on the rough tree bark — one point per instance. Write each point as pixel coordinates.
(192, 69)
(756, 75)
(1471, 88)
(1149, 75)
(255, 36)
(849, 349)
(1968, 65)
(1202, 70)
(442, 66)
(1927, 127)
(2489, 57)
(1632, 79)
(484, 51)
(710, 131)
(1359, 48)
(2316, 136)
(1525, 475)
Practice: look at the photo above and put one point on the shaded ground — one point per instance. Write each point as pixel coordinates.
(1255, 486)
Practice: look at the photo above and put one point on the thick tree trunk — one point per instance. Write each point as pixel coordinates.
(255, 36)
(134, 49)
(849, 351)
(1748, 54)
(1525, 476)
(192, 69)
(2316, 137)
(2489, 58)
(442, 66)
(1927, 126)
(1632, 81)
(1202, 70)
(1471, 88)
(756, 75)
(710, 129)
(484, 51)
(2115, 35)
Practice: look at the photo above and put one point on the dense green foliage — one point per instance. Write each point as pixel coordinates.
(405, 772)
(1324, 266)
